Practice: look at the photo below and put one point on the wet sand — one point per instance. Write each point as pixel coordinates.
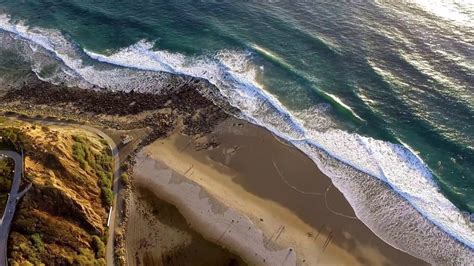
(159, 235)
(294, 214)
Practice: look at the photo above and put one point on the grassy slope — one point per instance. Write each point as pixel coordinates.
(6, 175)
(60, 221)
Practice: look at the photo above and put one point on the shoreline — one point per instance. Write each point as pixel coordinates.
(188, 113)
(353, 147)
(302, 221)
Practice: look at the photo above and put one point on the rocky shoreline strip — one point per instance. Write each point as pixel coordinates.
(184, 104)
(180, 107)
(187, 110)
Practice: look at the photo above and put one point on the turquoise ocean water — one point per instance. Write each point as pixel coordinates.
(385, 86)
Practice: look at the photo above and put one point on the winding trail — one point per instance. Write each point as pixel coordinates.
(10, 208)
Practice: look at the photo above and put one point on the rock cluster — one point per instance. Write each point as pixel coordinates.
(122, 110)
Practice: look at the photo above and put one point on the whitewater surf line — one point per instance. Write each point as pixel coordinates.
(233, 74)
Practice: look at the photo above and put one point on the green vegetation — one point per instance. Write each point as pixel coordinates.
(6, 175)
(99, 163)
(125, 166)
(38, 242)
(11, 138)
(71, 231)
(124, 178)
(30, 249)
(40, 235)
(87, 257)
(30, 253)
(98, 246)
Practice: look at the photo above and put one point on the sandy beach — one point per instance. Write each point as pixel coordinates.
(246, 132)
(260, 198)
(159, 235)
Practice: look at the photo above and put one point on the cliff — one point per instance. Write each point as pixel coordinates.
(61, 219)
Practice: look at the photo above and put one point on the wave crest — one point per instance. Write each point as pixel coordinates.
(143, 69)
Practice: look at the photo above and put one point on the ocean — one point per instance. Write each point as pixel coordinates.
(383, 86)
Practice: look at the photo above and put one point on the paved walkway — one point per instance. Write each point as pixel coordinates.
(10, 208)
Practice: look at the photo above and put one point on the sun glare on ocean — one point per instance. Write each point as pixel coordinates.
(459, 12)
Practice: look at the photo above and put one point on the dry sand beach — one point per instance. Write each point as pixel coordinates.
(260, 198)
(248, 132)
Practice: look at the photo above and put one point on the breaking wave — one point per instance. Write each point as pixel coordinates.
(140, 67)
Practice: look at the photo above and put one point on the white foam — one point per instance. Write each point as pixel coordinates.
(234, 75)
(404, 172)
(230, 71)
(70, 58)
(389, 216)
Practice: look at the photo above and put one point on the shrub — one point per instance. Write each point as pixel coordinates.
(86, 257)
(12, 138)
(79, 154)
(99, 163)
(124, 178)
(105, 183)
(104, 179)
(98, 246)
(103, 162)
(6, 167)
(30, 253)
(125, 166)
(38, 242)
(107, 195)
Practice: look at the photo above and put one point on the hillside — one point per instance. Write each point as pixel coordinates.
(6, 168)
(61, 218)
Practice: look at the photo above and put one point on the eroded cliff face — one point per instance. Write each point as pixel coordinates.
(61, 220)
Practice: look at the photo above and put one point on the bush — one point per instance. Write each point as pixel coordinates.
(86, 257)
(99, 247)
(103, 161)
(100, 163)
(12, 138)
(107, 195)
(29, 253)
(79, 154)
(83, 154)
(6, 176)
(125, 166)
(124, 178)
(105, 183)
(38, 242)
(105, 180)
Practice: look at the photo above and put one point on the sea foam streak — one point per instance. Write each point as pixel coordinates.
(234, 75)
(393, 164)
